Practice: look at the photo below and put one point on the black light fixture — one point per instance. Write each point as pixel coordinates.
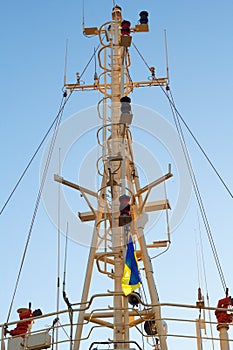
(150, 327)
(143, 17)
(134, 299)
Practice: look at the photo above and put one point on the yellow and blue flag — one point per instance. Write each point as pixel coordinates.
(131, 279)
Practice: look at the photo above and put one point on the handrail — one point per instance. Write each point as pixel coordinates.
(110, 294)
(91, 317)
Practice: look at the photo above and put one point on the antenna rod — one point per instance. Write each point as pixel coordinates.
(65, 260)
(64, 274)
(166, 50)
(65, 68)
(83, 25)
(66, 299)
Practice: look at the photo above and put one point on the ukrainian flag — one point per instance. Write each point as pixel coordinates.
(131, 279)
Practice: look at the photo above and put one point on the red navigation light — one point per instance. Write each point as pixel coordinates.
(125, 28)
(125, 213)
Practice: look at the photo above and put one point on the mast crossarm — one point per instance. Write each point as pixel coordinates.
(97, 317)
(144, 314)
(149, 207)
(98, 321)
(61, 180)
(154, 82)
(83, 191)
(154, 183)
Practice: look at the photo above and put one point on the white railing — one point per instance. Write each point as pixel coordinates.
(188, 326)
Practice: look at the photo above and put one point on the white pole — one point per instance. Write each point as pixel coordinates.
(198, 334)
(223, 335)
(116, 149)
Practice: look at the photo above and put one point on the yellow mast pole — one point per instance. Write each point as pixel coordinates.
(116, 54)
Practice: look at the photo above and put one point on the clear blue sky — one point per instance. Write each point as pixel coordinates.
(33, 39)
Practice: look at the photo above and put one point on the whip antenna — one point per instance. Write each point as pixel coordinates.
(83, 24)
(65, 259)
(166, 51)
(65, 67)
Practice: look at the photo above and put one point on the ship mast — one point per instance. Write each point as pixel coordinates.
(119, 179)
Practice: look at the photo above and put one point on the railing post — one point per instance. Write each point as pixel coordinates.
(2, 339)
(223, 335)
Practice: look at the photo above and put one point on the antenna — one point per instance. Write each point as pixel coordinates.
(95, 74)
(166, 51)
(65, 67)
(83, 25)
(65, 259)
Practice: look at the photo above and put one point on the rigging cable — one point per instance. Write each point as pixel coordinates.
(205, 154)
(188, 128)
(91, 58)
(141, 56)
(176, 116)
(45, 136)
(168, 228)
(205, 281)
(28, 165)
(197, 194)
(57, 123)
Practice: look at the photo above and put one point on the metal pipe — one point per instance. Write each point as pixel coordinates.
(152, 288)
(116, 230)
(223, 335)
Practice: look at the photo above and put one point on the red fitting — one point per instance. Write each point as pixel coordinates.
(25, 314)
(223, 316)
(22, 327)
(125, 28)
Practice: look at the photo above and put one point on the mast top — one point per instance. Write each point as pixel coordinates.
(116, 13)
